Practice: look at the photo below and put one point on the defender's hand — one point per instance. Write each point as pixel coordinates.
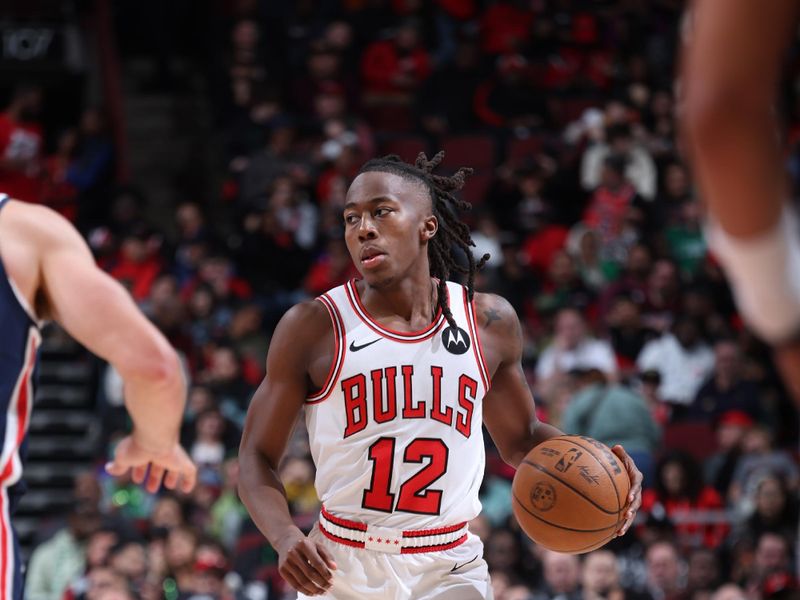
(173, 465)
(305, 565)
(635, 495)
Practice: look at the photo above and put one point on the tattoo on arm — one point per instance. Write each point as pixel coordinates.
(491, 315)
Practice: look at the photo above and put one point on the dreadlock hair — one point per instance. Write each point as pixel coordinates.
(452, 232)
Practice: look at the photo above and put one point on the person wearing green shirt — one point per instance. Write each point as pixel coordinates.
(614, 414)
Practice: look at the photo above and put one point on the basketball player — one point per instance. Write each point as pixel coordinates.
(396, 373)
(47, 272)
(732, 67)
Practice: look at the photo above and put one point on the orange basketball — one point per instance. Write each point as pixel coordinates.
(569, 494)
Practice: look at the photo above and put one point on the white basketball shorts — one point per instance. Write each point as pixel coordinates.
(458, 573)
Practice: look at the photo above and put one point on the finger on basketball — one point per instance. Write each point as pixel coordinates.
(314, 566)
(635, 500)
(138, 474)
(154, 478)
(635, 478)
(628, 522)
(622, 455)
(630, 467)
(635, 496)
(625, 526)
(629, 517)
(326, 556)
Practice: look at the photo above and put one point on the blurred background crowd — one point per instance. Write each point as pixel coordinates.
(205, 149)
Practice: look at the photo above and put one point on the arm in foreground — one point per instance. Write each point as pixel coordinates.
(100, 314)
(272, 415)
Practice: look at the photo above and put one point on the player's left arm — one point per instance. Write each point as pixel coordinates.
(509, 411)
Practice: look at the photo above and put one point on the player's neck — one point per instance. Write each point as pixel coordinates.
(412, 298)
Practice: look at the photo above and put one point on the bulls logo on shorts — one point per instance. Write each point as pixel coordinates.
(456, 340)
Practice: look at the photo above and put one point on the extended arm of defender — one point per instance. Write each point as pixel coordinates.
(100, 314)
(50, 261)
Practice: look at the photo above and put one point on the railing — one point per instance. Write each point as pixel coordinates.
(703, 517)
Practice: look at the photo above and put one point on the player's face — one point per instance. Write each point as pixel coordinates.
(387, 222)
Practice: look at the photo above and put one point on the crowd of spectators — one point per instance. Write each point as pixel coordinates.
(581, 194)
(74, 163)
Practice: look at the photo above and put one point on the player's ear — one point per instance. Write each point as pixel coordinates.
(429, 228)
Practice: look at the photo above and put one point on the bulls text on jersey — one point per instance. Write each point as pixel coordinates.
(375, 398)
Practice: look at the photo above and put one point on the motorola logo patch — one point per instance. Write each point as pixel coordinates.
(456, 340)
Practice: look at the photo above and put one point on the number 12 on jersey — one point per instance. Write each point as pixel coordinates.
(414, 495)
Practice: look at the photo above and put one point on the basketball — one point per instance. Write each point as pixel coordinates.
(569, 494)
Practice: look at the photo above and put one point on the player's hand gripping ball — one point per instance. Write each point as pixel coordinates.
(573, 494)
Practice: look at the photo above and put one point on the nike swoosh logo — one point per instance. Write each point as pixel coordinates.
(354, 348)
(458, 566)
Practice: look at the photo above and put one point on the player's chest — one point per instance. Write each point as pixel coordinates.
(379, 396)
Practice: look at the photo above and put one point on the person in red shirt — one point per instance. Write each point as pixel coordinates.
(332, 268)
(396, 67)
(138, 264)
(608, 208)
(680, 491)
(505, 27)
(21, 145)
(56, 191)
(218, 273)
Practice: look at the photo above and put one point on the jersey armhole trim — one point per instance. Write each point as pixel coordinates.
(339, 351)
(23, 302)
(477, 347)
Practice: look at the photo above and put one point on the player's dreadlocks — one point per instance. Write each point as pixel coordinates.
(452, 232)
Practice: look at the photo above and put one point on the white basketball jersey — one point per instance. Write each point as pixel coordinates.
(395, 432)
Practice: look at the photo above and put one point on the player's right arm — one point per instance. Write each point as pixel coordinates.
(100, 314)
(271, 417)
